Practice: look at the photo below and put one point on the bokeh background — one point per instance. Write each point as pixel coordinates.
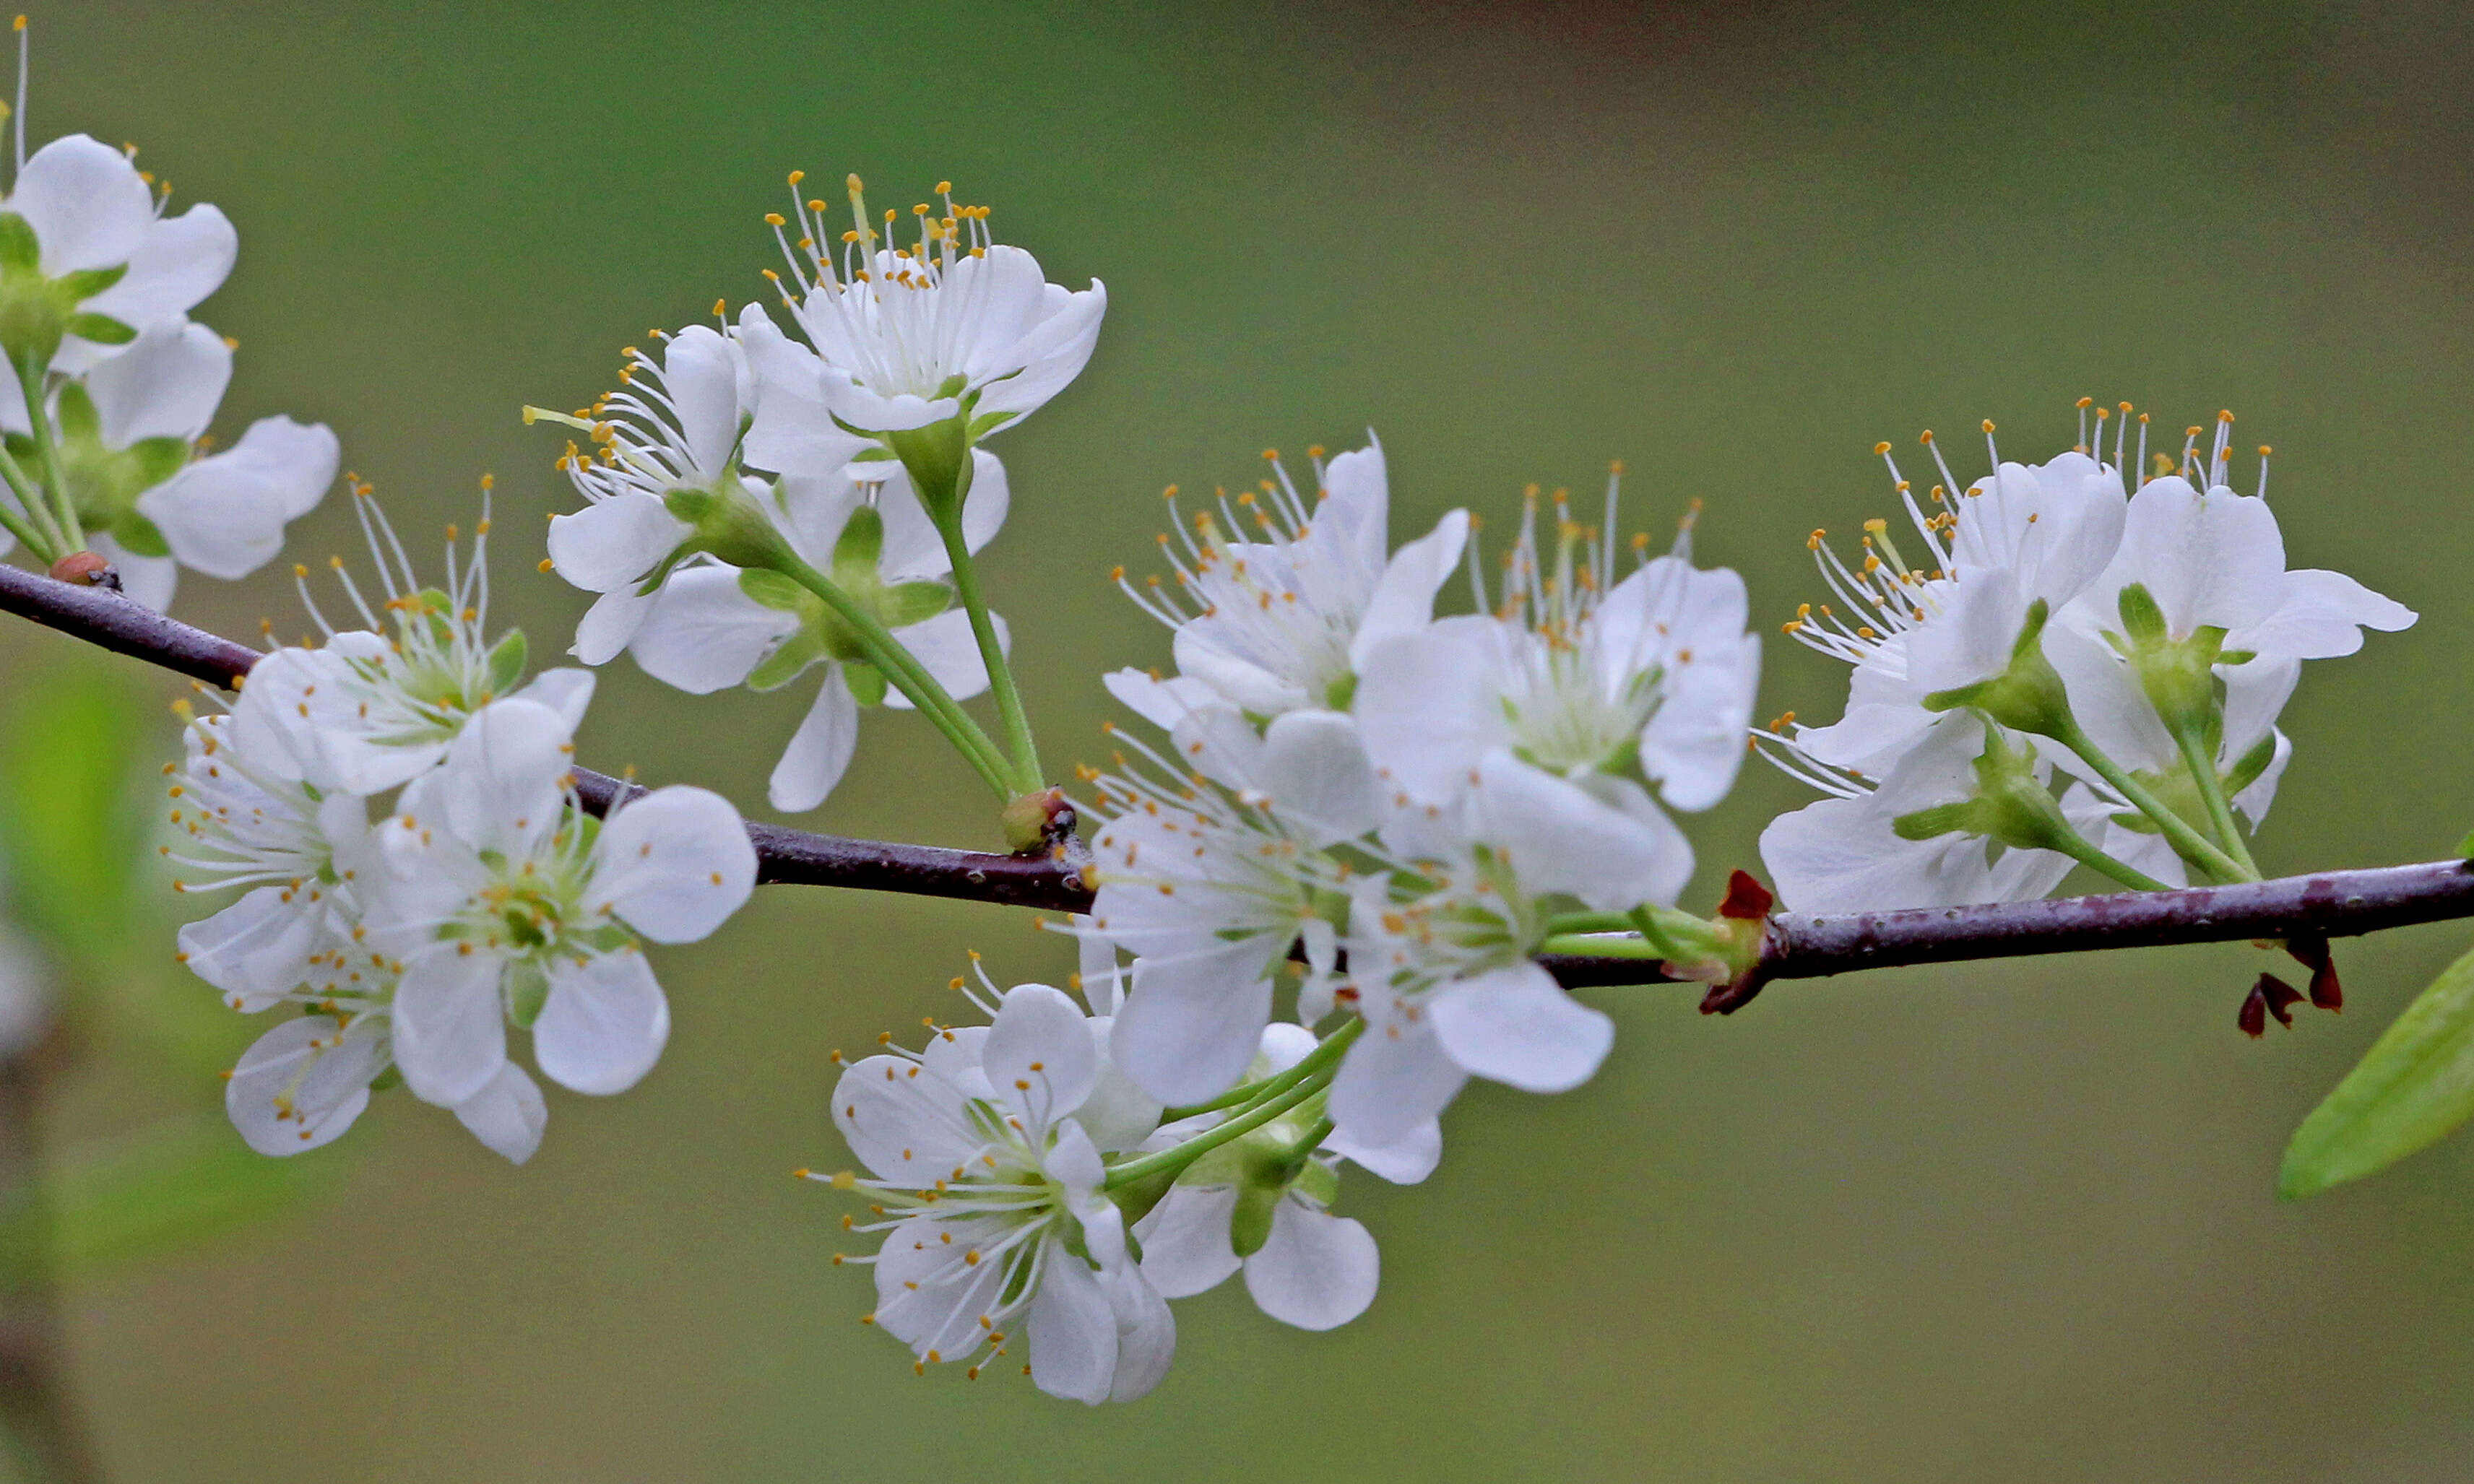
(2010, 1221)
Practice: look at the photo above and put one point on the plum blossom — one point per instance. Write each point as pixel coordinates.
(992, 1195)
(502, 902)
(955, 326)
(1281, 618)
(674, 424)
(1591, 681)
(1303, 1266)
(1440, 946)
(2021, 537)
(1209, 871)
(88, 257)
(129, 437)
(713, 625)
(377, 705)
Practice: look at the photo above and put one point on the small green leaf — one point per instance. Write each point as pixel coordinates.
(911, 603)
(507, 662)
(19, 246)
(101, 329)
(774, 591)
(2415, 1085)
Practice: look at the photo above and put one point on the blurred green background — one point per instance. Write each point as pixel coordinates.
(2004, 1222)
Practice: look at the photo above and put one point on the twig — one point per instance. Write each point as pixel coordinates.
(1796, 945)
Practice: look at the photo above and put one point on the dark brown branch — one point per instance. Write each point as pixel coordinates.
(2331, 904)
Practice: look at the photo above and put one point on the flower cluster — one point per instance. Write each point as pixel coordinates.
(482, 895)
(111, 385)
(1333, 862)
(2077, 670)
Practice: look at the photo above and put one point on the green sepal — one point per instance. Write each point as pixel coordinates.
(140, 535)
(2415, 1085)
(79, 421)
(1134, 1200)
(85, 283)
(507, 662)
(2028, 696)
(387, 1080)
(19, 246)
(101, 329)
(1318, 1183)
(788, 661)
(911, 603)
(773, 591)
(865, 680)
(2250, 765)
(2141, 618)
(527, 988)
(858, 549)
(1249, 1225)
(988, 423)
(158, 458)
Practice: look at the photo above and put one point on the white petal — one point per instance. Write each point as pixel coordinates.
(903, 1123)
(1185, 1239)
(86, 204)
(508, 1115)
(615, 542)
(1118, 1114)
(1039, 1055)
(610, 625)
(701, 374)
(704, 633)
(2321, 615)
(166, 384)
(181, 260)
(674, 864)
(1315, 770)
(1191, 1025)
(1517, 1026)
(257, 949)
(604, 1024)
(1162, 702)
(1404, 1161)
(927, 1300)
(951, 653)
(1404, 601)
(1695, 743)
(223, 515)
(297, 1088)
(1073, 1332)
(450, 1035)
(567, 691)
(819, 750)
(1317, 1271)
(1605, 842)
(1394, 1079)
(1430, 704)
(2213, 558)
(498, 788)
(1146, 1333)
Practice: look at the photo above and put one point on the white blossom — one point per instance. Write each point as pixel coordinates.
(992, 1202)
(502, 902)
(102, 246)
(1280, 618)
(377, 705)
(1312, 1269)
(706, 629)
(905, 337)
(1210, 871)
